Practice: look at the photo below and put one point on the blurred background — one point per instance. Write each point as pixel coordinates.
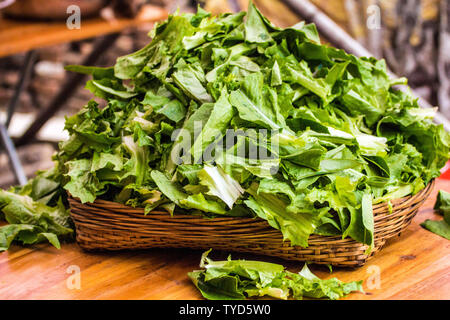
(38, 38)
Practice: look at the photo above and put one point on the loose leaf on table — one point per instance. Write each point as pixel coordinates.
(31, 221)
(241, 279)
(442, 207)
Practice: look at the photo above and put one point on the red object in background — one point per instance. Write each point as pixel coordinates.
(445, 172)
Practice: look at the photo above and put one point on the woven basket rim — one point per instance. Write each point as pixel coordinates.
(108, 225)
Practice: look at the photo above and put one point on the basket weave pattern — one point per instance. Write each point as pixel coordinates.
(106, 225)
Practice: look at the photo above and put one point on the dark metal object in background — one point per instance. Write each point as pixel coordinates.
(334, 33)
(12, 155)
(5, 138)
(200, 3)
(23, 79)
(68, 90)
(444, 58)
(234, 5)
(127, 8)
(182, 5)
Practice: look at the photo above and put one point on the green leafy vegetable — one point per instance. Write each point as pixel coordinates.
(231, 115)
(440, 228)
(32, 221)
(220, 184)
(442, 207)
(241, 279)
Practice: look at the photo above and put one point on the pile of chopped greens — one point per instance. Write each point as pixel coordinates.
(338, 136)
(240, 279)
(442, 207)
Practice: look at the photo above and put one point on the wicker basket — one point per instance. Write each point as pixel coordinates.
(105, 225)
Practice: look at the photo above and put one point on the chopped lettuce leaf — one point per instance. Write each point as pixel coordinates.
(241, 279)
(442, 207)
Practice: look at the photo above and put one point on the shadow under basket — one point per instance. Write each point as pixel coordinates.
(106, 225)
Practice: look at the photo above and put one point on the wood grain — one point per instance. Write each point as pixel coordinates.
(413, 266)
(18, 36)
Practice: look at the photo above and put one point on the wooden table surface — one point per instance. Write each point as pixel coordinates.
(413, 266)
(18, 36)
